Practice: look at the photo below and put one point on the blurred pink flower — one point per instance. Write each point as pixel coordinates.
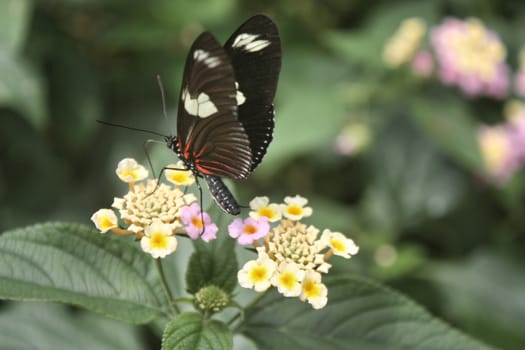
(499, 145)
(198, 224)
(471, 57)
(353, 138)
(423, 63)
(517, 126)
(248, 230)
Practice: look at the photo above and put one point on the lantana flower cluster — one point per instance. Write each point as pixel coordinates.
(503, 145)
(471, 57)
(464, 53)
(291, 256)
(155, 212)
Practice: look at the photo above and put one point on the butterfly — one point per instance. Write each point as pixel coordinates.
(225, 117)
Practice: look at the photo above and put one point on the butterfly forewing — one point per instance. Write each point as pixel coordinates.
(209, 133)
(255, 53)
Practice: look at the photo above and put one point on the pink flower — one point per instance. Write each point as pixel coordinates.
(197, 223)
(499, 146)
(517, 125)
(471, 57)
(248, 230)
(422, 64)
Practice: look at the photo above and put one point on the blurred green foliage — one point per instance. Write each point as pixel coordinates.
(414, 200)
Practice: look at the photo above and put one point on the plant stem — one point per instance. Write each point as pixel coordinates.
(247, 307)
(175, 310)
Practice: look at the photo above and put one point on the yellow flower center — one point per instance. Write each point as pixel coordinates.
(266, 212)
(159, 240)
(287, 280)
(179, 176)
(311, 289)
(495, 150)
(250, 229)
(129, 173)
(105, 222)
(337, 245)
(294, 209)
(259, 274)
(196, 221)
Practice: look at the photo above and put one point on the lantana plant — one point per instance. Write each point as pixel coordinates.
(291, 256)
(283, 294)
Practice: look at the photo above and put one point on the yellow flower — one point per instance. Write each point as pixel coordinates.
(144, 204)
(104, 220)
(288, 279)
(261, 206)
(129, 171)
(158, 240)
(292, 256)
(313, 290)
(179, 177)
(496, 150)
(405, 42)
(295, 242)
(294, 208)
(340, 245)
(257, 274)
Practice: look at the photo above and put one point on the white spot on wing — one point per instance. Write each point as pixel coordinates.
(247, 42)
(239, 96)
(204, 56)
(201, 106)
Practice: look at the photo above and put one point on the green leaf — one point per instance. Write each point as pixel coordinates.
(413, 182)
(359, 315)
(22, 89)
(212, 263)
(190, 331)
(489, 279)
(49, 326)
(450, 126)
(14, 23)
(74, 264)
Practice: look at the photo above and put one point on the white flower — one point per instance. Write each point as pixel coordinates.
(179, 177)
(340, 244)
(313, 290)
(128, 170)
(257, 274)
(104, 220)
(288, 279)
(261, 206)
(158, 240)
(146, 203)
(295, 209)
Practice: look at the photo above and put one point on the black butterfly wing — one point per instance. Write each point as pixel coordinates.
(209, 134)
(255, 53)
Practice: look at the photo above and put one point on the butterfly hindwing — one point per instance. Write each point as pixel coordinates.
(255, 53)
(209, 132)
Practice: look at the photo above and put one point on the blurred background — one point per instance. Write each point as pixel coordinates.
(402, 121)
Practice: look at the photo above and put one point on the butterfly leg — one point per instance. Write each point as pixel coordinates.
(160, 175)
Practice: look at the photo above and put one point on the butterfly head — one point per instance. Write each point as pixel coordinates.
(172, 143)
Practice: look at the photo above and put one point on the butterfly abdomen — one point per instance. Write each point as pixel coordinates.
(222, 195)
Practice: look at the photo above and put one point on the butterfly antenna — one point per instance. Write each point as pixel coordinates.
(146, 143)
(129, 128)
(163, 96)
